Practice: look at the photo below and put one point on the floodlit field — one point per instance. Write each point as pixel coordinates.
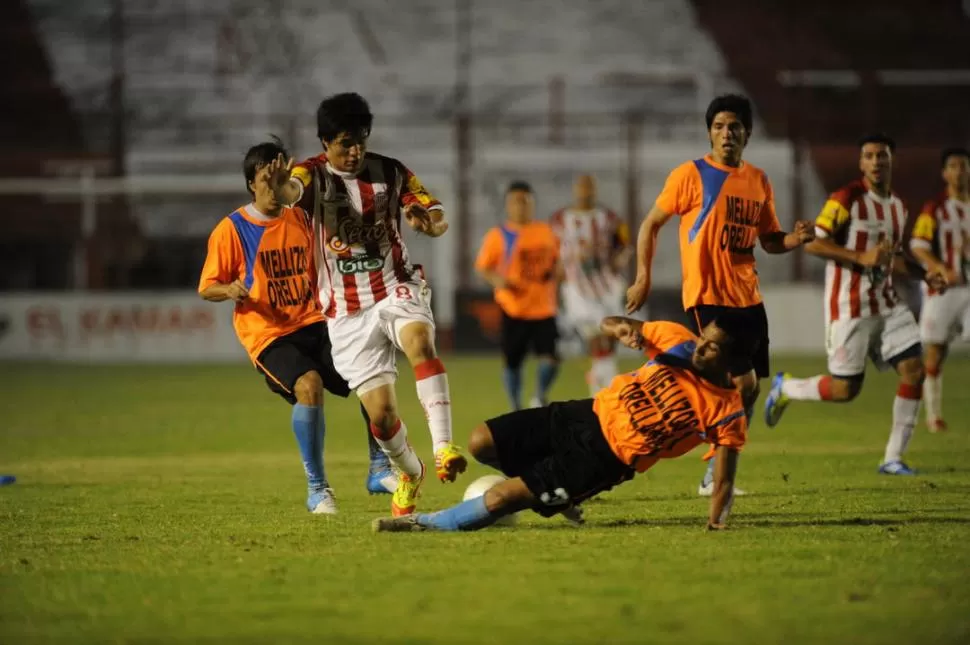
(165, 504)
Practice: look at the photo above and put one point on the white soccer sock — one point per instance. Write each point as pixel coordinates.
(905, 413)
(602, 372)
(399, 450)
(435, 398)
(933, 396)
(802, 389)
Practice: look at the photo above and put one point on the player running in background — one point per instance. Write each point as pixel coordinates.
(595, 249)
(859, 231)
(941, 242)
(376, 301)
(725, 205)
(261, 258)
(560, 455)
(520, 259)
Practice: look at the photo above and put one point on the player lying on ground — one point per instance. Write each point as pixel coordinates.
(941, 242)
(376, 301)
(860, 230)
(261, 258)
(520, 259)
(559, 455)
(726, 206)
(595, 250)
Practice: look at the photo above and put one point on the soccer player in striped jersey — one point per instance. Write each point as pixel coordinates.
(941, 241)
(859, 232)
(595, 249)
(261, 258)
(376, 300)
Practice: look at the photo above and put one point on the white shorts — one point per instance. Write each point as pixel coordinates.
(943, 315)
(583, 315)
(849, 341)
(365, 344)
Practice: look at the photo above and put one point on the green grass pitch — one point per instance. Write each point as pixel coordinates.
(165, 505)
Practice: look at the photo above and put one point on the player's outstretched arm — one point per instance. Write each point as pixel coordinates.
(877, 256)
(625, 330)
(777, 242)
(637, 294)
(725, 467)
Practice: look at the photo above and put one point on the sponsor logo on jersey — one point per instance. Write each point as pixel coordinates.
(359, 264)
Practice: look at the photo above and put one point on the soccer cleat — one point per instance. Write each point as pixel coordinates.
(449, 462)
(706, 490)
(322, 502)
(404, 500)
(573, 515)
(381, 482)
(403, 524)
(776, 402)
(936, 425)
(381, 479)
(895, 468)
(6, 480)
(536, 402)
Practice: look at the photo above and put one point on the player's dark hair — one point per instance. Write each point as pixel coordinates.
(878, 137)
(347, 112)
(954, 151)
(519, 186)
(737, 328)
(260, 155)
(737, 104)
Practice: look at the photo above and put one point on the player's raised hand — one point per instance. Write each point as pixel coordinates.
(878, 256)
(421, 220)
(636, 295)
(278, 171)
(237, 291)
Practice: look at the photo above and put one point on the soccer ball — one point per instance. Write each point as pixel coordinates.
(478, 487)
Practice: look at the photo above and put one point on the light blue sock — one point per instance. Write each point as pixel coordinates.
(310, 428)
(546, 374)
(467, 516)
(512, 379)
(709, 473)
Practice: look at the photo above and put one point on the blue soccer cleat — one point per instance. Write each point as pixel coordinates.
(322, 502)
(895, 468)
(6, 480)
(776, 402)
(381, 479)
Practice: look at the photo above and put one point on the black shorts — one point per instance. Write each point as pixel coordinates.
(560, 453)
(289, 357)
(757, 328)
(520, 335)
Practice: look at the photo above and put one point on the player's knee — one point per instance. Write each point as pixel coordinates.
(750, 394)
(308, 389)
(417, 342)
(911, 371)
(508, 496)
(481, 446)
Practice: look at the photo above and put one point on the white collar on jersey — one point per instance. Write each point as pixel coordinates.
(341, 173)
(257, 214)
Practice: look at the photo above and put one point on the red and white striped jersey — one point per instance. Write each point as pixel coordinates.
(589, 240)
(858, 219)
(943, 227)
(360, 254)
